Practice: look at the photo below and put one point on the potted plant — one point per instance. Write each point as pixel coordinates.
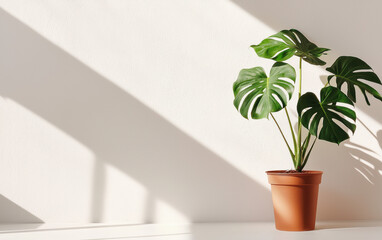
(328, 117)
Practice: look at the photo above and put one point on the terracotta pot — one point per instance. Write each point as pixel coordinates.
(294, 196)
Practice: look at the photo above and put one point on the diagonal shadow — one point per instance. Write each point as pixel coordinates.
(10, 212)
(123, 132)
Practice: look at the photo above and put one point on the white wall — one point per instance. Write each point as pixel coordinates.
(122, 111)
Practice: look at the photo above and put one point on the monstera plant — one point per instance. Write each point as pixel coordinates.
(328, 117)
(258, 95)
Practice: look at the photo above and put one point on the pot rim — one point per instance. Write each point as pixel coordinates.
(294, 173)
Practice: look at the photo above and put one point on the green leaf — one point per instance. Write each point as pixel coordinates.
(351, 70)
(258, 95)
(286, 43)
(327, 110)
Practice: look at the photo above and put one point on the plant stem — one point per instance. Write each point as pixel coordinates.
(292, 131)
(300, 84)
(298, 153)
(307, 156)
(282, 134)
(305, 146)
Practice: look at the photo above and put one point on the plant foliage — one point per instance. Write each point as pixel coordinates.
(286, 43)
(329, 118)
(326, 110)
(258, 95)
(354, 72)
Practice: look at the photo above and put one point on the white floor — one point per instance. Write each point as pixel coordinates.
(210, 231)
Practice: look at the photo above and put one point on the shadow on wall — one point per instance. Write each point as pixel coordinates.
(10, 212)
(352, 179)
(352, 182)
(123, 132)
